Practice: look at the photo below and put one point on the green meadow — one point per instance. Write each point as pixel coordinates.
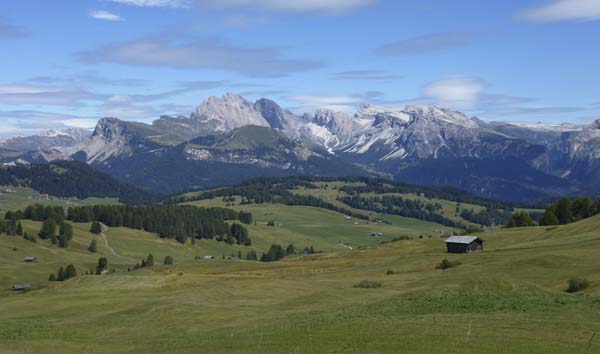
(509, 299)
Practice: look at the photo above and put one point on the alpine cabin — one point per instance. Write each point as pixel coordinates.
(464, 244)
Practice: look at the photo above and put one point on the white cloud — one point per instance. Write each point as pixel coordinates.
(161, 51)
(335, 6)
(155, 3)
(15, 94)
(80, 123)
(296, 5)
(105, 15)
(428, 43)
(564, 10)
(337, 103)
(456, 92)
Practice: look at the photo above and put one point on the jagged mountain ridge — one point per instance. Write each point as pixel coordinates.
(46, 140)
(403, 144)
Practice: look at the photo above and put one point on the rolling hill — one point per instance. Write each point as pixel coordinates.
(510, 298)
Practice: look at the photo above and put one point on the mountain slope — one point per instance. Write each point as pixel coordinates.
(72, 179)
(229, 158)
(46, 140)
(513, 161)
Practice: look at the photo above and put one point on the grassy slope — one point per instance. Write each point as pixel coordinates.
(23, 198)
(330, 195)
(321, 228)
(509, 299)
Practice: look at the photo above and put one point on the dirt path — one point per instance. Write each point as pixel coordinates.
(106, 244)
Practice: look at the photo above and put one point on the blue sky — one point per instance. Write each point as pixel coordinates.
(71, 62)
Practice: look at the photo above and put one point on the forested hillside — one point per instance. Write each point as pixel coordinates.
(73, 179)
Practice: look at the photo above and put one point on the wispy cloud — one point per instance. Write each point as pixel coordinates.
(337, 103)
(330, 6)
(89, 77)
(365, 75)
(156, 3)
(24, 94)
(197, 54)
(564, 10)
(23, 121)
(10, 31)
(427, 43)
(105, 15)
(456, 92)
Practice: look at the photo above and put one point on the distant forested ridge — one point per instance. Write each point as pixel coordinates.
(396, 205)
(65, 179)
(263, 191)
(280, 190)
(257, 189)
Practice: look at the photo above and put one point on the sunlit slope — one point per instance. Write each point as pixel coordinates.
(508, 299)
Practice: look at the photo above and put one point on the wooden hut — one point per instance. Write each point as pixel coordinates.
(464, 244)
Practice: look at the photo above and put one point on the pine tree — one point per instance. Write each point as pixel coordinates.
(51, 277)
(63, 241)
(96, 228)
(70, 272)
(563, 211)
(19, 231)
(48, 229)
(61, 274)
(168, 260)
(549, 218)
(150, 260)
(290, 250)
(93, 246)
(102, 265)
(66, 229)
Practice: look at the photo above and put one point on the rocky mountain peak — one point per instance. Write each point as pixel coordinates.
(228, 112)
(271, 112)
(441, 114)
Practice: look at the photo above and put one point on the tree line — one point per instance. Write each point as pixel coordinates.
(566, 211)
(397, 205)
(179, 222)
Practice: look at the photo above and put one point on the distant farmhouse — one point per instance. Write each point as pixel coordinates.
(464, 244)
(20, 287)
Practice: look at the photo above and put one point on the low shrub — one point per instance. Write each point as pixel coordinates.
(577, 284)
(446, 264)
(368, 284)
(390, 272)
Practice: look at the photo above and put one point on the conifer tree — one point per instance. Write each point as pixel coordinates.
(63, 241)
(168, 260)
(19, 231)
(61, 274)
(290, 250)
(48, 229)
(150, 260)
(93, 246)
(51, 277)
(96, 228)
(549, 218)
(70, 272)
(102, 265)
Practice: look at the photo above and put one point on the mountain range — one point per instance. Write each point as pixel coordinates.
(229, 139)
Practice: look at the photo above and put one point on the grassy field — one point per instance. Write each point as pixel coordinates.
(323, 229)
(23, 197)
(508, 299)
